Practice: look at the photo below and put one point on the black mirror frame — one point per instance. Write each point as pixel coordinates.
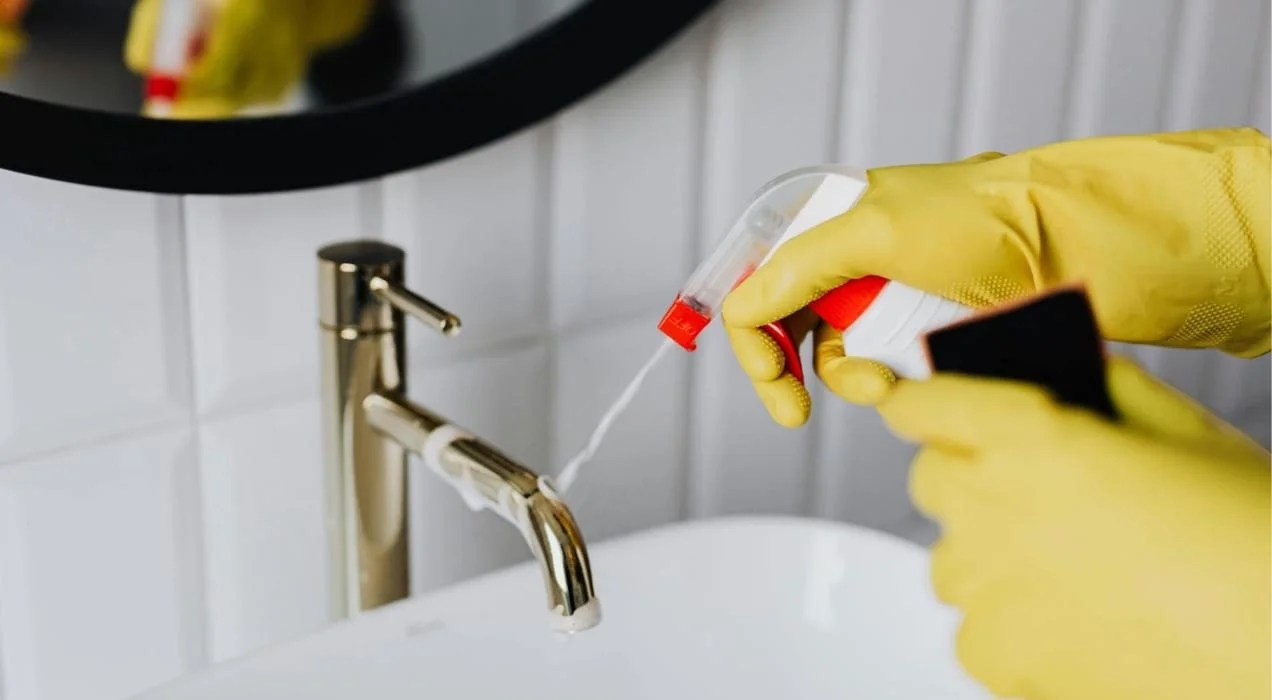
(506, 92)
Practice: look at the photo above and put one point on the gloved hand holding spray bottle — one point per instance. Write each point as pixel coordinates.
(880, 319)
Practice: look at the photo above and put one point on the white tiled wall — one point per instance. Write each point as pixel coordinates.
(93, 340)
(96, 586)
(159, 443)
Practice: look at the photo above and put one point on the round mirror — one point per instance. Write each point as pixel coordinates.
(231, 96)
(280, 56)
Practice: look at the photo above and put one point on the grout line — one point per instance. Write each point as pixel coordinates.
(15, 622)
(197, 612)
(167, 425)
(856, 85)
(691, 469)
(418, 362)
(4, 659)
(1169, 69)
(369, 198)
(243, 407)
(1184, 67)
(961, 125)
(546, 218)
(14, 555)
(838, 75)
(1077, 86)
(1259, 89)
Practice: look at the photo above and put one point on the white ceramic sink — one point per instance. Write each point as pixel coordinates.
(730, 608)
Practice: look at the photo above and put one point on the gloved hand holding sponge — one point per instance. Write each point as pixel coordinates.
(254, 50)
(1095, 559)
(1092, 558)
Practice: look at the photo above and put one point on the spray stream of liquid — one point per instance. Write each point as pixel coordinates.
(571, 470)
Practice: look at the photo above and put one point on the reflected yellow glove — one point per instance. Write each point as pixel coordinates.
(254, 52)
(1093, 559)
(1169, 232)
(12, 39)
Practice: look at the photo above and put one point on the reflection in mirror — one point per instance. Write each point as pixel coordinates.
(213, 59)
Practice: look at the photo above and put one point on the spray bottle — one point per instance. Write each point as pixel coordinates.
(178, 41)
(880, 319)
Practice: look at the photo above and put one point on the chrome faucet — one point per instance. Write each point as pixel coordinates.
(370, 426)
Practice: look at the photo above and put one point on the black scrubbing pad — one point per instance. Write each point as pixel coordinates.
(1050, 340)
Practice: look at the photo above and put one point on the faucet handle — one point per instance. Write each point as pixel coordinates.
(405, 300)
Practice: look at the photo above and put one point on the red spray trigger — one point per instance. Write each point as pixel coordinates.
(839, 307)
(777, 331)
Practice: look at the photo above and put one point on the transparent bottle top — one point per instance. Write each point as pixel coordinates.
(764, 224)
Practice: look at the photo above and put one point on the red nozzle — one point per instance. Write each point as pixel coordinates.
(162, 87)
(166, 86)
(840, 308)
(682, 323)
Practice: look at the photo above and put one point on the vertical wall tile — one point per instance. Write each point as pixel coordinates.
(263, 499)
(862, 468)
(1192, 371)
(1238, 391)
(1017, 74)
(636, 479)
(92, 331)
(624, 188)
(901, 79)
(91, 559)
(504, 399)
(252, 263)
(763, 118)
(474, 235)
(1122, 66)
(1216, 61)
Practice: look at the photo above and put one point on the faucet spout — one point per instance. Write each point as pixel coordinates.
(487, 478)
(554, 538)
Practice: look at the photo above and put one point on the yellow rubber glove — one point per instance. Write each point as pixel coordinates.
(1093, 559)
(255, 51)
(12, 39)
(12, 42)
(1169, 233)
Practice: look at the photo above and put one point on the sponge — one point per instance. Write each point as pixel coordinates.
(1050, 340)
